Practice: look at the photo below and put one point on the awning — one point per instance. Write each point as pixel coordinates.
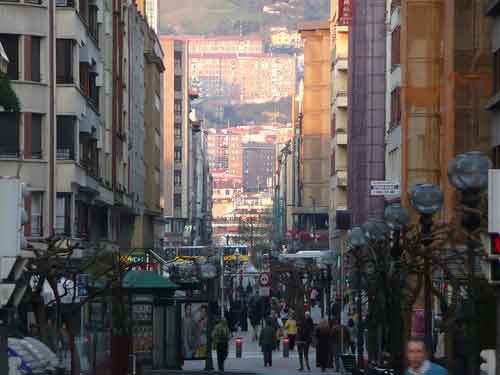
(147, 280)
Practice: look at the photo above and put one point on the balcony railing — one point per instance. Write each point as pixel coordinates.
(65, 154)
(8, 152)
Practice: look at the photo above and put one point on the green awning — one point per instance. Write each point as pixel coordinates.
(147, 280)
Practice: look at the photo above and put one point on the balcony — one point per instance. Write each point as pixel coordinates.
(341, 100)
(24, 18)
(342, 64)
(70, 173)
(341, 139)
(70, 100)
(32, 95)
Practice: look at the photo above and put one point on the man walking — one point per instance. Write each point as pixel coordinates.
(220, 338)
(267, 341)
(304, 338)
(418, 364)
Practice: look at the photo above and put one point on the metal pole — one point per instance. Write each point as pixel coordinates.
(497, 352)
(222, 283)
(4, 359)
(360, 317)
(428, 309)
(209, 364)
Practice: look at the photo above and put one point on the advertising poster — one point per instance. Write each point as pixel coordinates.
(194, 330)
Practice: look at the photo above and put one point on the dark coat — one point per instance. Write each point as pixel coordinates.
(305, 329)
(267, 337)
(323, 339)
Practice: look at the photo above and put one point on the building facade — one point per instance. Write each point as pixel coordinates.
(311, 213)
(339, 33)
(366, 111)
(258, 166)
(493, 11)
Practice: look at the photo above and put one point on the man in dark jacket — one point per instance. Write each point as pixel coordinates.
(305, 329)
(267, 341)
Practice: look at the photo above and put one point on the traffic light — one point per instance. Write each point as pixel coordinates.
(488, 359)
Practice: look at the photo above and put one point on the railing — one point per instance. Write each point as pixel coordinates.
(9, 152)
(65, 154)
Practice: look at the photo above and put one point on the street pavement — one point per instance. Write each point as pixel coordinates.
(252, 360)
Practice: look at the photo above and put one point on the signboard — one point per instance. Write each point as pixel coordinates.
(384, 188)
(264, 279)
(345, 13)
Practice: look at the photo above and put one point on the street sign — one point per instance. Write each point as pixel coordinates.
(264, 279)
(384, 188)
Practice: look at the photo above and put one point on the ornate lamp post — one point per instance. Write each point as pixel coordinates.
(427, 199)
(357, 241)
(469, 173)
(397, 219)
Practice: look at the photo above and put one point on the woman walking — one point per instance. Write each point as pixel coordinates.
(221, 336)
(291, 330)
(323, 345)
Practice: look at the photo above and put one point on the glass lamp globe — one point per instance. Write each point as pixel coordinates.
(469, 171)
(357, 238)
(427, 199)
(375, 229)
(396, 216)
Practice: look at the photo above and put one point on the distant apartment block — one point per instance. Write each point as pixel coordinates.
(199, 45)
(246, 79)
(281, 37)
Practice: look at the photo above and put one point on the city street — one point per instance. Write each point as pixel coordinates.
(252, 360)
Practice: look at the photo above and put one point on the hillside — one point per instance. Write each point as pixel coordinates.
(223, 17)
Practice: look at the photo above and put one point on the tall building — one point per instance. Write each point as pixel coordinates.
(258, 166)
(81, 88)
(493, 11)
(176, 138)
(443, 114)
(236, 45)
(366, 111)
(311, 214)
(339, 32)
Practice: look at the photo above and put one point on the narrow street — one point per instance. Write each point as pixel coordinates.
(252, 360)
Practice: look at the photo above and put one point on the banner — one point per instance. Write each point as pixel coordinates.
(345, 13)
(194, 330)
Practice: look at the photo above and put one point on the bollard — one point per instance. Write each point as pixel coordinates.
(286, 347)
(239, 347)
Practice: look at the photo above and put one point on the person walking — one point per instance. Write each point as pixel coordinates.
(277, 325)
(418, 364)
(255, 318)
(267, 341)
(303, 340)
(323, 335)
(220, 338)
(291, 331)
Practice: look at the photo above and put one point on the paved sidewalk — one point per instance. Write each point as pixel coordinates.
(252, 360)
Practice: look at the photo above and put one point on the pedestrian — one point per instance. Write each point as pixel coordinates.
(220, 337)
(323, 336)
(339, 339)
(291, 330)
(277, 325)
(244, 318)
(267, 341)
(304, 339)
(255, 318)
(418, 364)
(353, 335)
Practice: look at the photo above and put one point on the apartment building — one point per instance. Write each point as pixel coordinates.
(70, 67)
(243, 78)
(314, 132)
(248, 45)
(258, 166)
(339, 43)
(366, 111)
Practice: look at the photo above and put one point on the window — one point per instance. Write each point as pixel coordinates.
(84, 78)
(84, 9)
(64, 60)
(93, 25)
(178, 107)
(396, 106)
(10, 43)
(9, 141)
(178, 154)
(395, 46)
(32, 136)
(178, 83)
(177, 200)
(178, 226)
(63, 214)
(93, 90)
(177, 130)
(82, 219)
(65, 137)
(496, 71)
(177, 178)
(168, 226)
(33, 45)
(89, 155)
(34, 206)
(496, 157)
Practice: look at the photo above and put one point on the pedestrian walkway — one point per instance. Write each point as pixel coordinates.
(252, 360)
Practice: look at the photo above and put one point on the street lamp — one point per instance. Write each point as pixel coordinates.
(375, 230)
(357, 241)
(469, 173)
(427, 199)
(397, 219)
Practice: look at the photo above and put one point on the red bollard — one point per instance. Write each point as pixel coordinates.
(239, 347)
(286, 348)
